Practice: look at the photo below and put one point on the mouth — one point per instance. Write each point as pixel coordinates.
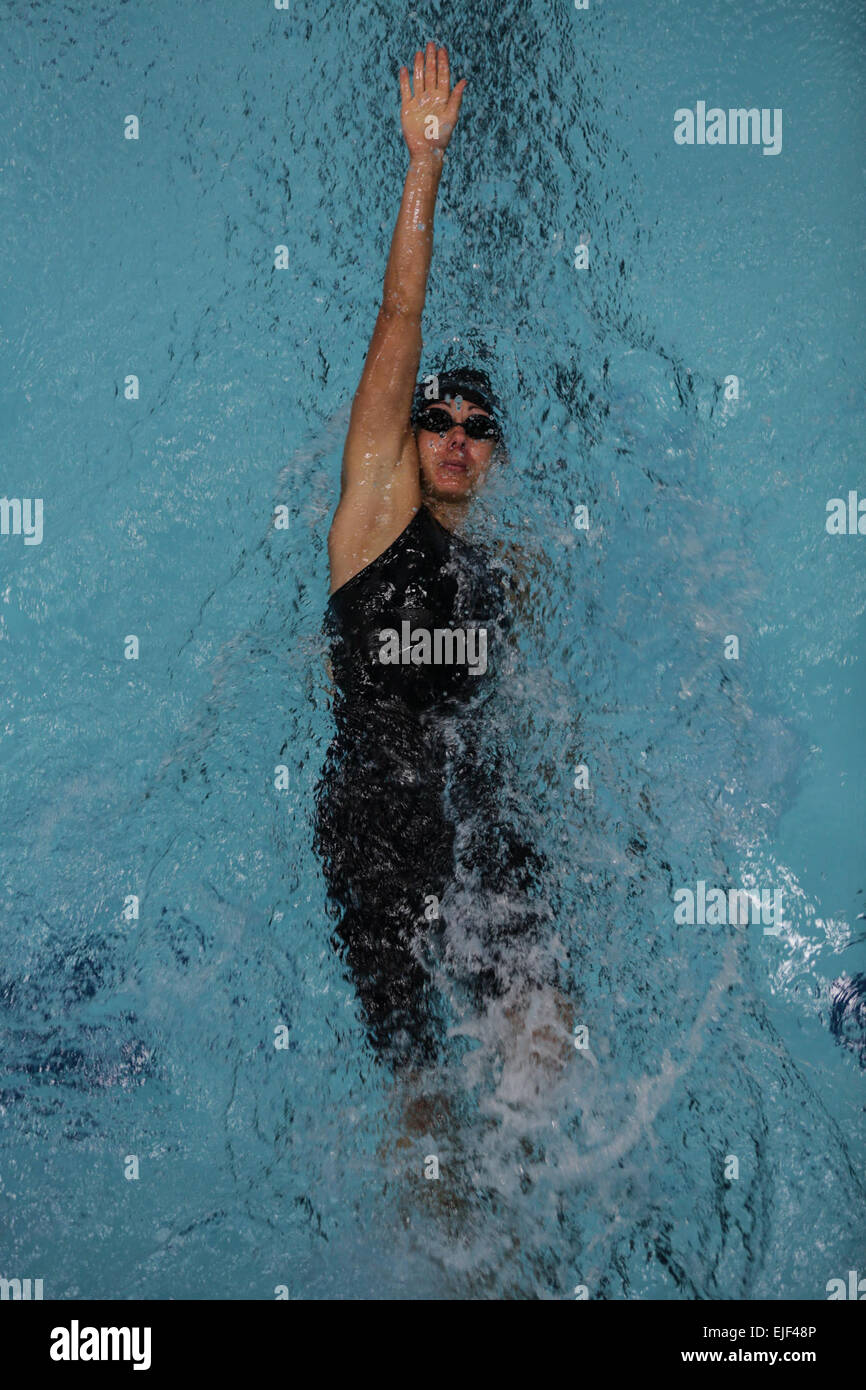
(454, 468)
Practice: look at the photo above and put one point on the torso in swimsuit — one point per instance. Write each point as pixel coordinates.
(434, 581)
(406, 738)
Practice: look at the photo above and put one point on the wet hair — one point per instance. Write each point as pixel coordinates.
(469, 382)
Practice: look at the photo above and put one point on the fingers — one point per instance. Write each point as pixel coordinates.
(431, 72)
(443, 72)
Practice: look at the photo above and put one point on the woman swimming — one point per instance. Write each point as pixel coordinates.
(408, 804)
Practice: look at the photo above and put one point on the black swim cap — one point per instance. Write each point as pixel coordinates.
(469, 382)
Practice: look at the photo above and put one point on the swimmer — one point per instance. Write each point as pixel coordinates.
(416, 456)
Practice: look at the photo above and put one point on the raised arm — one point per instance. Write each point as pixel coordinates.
(380, 488)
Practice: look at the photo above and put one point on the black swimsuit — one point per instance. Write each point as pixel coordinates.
(407, 771)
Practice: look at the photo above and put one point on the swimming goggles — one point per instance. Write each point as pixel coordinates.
(438, 421)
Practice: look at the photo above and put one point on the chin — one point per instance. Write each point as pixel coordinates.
(447, 485)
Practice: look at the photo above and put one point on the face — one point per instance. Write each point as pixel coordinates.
(453, 466)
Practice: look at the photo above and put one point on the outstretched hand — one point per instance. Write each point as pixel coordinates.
(429, 114)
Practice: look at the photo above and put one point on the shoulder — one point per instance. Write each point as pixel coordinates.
(520, 568)
(359, 537)
(515, 562)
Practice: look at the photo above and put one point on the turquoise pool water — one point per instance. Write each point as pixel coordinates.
(152, 1038)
